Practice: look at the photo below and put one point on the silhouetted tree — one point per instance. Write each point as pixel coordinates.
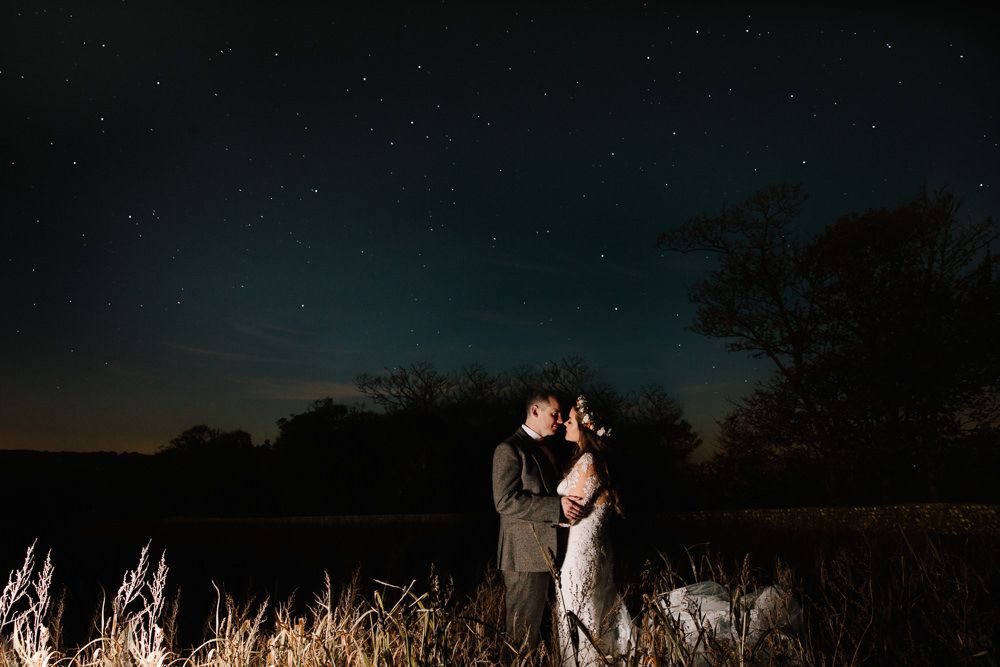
(450, 422)
(650, 444)
(314, 428)
(481, 401)
(330, 455)
(762, 459)
(418, 387)
(877, 329)
(221, 471)
(567, 378)
(474, 385)
(202, 439)
(421, 388)
(653, 411)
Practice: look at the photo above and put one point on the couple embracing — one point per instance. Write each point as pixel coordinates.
(543, 507)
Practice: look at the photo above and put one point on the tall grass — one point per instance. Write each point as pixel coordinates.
(922, 602)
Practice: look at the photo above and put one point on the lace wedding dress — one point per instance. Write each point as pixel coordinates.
(586, 587)
(706, 609)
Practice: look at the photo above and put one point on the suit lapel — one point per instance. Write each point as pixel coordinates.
(543, 468)
(546, 469)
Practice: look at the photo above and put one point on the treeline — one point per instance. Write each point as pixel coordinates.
(427, 447)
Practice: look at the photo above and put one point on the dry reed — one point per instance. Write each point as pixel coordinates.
(919, 604)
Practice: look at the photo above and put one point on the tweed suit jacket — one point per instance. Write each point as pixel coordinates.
(524, 493)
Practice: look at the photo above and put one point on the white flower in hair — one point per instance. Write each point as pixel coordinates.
(588, 419)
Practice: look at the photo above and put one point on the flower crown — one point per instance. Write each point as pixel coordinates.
(587, 418)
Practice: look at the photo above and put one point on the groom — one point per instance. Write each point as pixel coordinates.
(525, 476)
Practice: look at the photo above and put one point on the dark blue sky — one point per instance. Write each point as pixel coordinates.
(218, 215)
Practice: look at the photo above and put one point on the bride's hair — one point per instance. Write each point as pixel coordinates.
(593, 443)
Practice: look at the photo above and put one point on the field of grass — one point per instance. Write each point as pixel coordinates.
(910, 587)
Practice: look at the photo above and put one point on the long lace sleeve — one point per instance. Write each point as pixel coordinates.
(582, 480)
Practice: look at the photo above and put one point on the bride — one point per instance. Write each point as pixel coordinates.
(587, 594)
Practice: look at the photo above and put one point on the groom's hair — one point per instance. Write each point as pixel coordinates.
(537, 396)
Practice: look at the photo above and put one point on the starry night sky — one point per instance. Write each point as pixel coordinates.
(218, 215)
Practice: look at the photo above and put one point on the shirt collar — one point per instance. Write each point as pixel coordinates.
(534, 436)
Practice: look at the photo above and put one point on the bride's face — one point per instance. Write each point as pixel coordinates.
(572, 427)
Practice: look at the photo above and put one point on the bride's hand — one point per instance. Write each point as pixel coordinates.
(571, 507)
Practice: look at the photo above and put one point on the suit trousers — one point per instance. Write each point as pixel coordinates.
(526, 599)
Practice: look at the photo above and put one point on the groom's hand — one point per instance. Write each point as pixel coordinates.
(571, 507)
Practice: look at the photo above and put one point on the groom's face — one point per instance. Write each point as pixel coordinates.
(546, 417)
